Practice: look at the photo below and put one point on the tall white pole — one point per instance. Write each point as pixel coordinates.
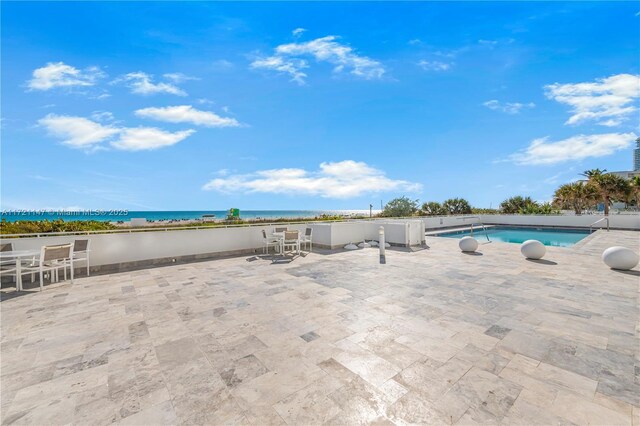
(381, 244)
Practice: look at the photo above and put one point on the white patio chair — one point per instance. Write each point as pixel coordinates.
(52, 259)
(8, 267)
(292, 240)
(81, 252)
(306, 238)
(269, 242)
(9, 247)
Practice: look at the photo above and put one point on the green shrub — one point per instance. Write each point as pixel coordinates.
(456, 206)
(400, 207)
(57, 225)
(431, 208)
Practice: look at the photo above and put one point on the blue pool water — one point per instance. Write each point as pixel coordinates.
(547, 236)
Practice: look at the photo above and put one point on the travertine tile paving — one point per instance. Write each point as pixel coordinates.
(431, 337)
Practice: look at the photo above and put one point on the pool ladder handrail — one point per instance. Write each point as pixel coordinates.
(597, 221)
(486, 234)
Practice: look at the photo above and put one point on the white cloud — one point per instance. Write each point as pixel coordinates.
(59, 74)
(343, 179)
(102, 116)
(324, 49)
(575, 148)
(434, 65)
(148, 138)
(141, 83)
(489, 43)
(178, 77)
(222, 65)
(293, 67)
(606, 101)
(507, 107)
(77, 132)
(187, 114)
(102, 96)
(298, 32)
(82, 133)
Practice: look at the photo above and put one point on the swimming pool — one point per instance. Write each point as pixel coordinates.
(548, 236)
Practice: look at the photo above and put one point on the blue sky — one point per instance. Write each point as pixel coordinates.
(185, 106)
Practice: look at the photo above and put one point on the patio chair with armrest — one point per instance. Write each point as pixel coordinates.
(292, 240)
(8, 267)
(52, 259)
(270, 242)
(5, 247)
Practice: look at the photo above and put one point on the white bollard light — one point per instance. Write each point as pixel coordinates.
(468, 244)
(621, 258)
(533, 249)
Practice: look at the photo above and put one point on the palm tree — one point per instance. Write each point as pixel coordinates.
(577, 196)
(635, 189)
(607, 187)
(431, 208)
(593, 173)
(513, 205)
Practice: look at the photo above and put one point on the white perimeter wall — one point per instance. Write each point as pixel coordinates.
(115, 248)
(409, 232)
(621, 221)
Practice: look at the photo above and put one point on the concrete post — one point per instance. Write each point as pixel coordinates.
(381, 244)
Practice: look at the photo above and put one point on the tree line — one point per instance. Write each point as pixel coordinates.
(599, 187)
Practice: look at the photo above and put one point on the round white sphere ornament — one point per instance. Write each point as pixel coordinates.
(533, 249)
(620, 258)
(468, 244)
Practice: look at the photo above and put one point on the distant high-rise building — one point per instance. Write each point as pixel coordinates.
(636, 156)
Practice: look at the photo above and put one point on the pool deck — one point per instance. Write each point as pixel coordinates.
(433, 336)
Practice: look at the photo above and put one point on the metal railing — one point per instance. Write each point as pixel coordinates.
(486, 233)
(598, 221)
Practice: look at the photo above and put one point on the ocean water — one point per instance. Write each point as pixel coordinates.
(126, 215)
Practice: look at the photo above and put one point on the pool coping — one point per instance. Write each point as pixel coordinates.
(455, 229)
(434, 232)
(577, 245)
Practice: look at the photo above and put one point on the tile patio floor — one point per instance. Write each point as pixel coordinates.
(432, 337)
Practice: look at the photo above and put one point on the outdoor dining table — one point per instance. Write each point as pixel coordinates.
(18, 255)
(280, 237)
